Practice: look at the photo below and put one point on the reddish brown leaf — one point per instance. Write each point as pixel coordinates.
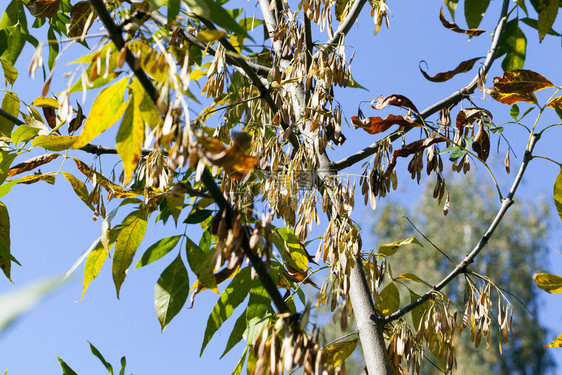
(463, 67)
(113, 190)
(555, 103)
(81, 18)
(235, 162)
(395, 100)
(76, 122)
(375, 125)
(43, 8)
(511, 98)
(520, 81)
(31, 164)
(412, 148)
(50, 116)
(481, 144)
(453, 26)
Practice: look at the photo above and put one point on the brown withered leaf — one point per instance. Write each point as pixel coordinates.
(298, 276)
(555, 103)
(375, 125)
(395, 100)
(31, 164)
(468, 116)
(511, 97)
(80, 14)
(463, 67)
(43, 8)
(235, 162)
(520, 81)
(454, 27)
(412, 148)
(112, 189)
(77, 121)
(50, 116)
(481, 144)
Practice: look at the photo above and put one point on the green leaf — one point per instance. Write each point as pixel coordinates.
(14, 25)
(171, 291)
(338, 352)
(55, 142)
(548, 10)
(130, 139)
(514, 45)
(219, 16)
(79, 188)
(514, 111)
(391, 248)
(5, 256)
(97, 353)
(258, 305)
(290, 248)
(474, 12)
(527, 111)
(452, 6)
(10, 73)
(233, 295)
(24, 133)
(66, 370)
(198, 216)
(158, 250)
(201, 263)
(535, 25)
(548, 282)
(173, 10)
(11, 105)
(107, 108)
(389, 299)
(53, 48)
(240, 364)
(412, 277)
(558, 193)
(128, 240)
(123, 365)
(94, 263)
(6, 159)
(418, 311)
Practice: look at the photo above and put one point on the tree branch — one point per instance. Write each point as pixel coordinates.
(451, 100)
(206, 178)
(461, 267)
(345, 26)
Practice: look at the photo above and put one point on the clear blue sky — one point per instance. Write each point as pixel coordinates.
(51, 227)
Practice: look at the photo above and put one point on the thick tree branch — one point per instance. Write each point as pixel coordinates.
(206, 177)
(461, 267)
(449, 101)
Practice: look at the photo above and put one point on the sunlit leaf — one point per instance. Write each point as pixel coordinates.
(548, 282)
(94, 263)
(389, 299)
(66, 370)
(395, 100)
(106, 110)
(511, 98)
(375, 125)
(55, 142)
(556, 343)
(129, 140)
(233, 295)
(534, 23)
(10, 73)
(290, 248)
(452, 6)
(209, 36)
(463, 67)
(6, 159)
(412, 277)
(130, 236)
(158, 250)
(171, 291)
(514, 112)
(81, 18)
(201, 263)
(548, 9)
(514, 44)
(145, 106)
(233, 159)
(97, 353)
(45, 102)
(555, 103)
(79, 188)
(391, 248)
(24, 133)
(338, 352)
(474, 11)
(521, 81)
(454, 27)
(14, 24)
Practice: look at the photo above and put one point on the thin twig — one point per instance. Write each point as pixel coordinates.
(449, 101)
(461, 267)
(428, 240)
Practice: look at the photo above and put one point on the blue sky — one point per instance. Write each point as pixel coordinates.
(51, 227)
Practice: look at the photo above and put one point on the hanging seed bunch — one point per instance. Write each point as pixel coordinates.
(291, 36)
(403, 348)
(341, 237)
(154, 171)
(478, 313)
(216, 74)
(283, 345)
(375, 273)
(319, 12)
(374, 181)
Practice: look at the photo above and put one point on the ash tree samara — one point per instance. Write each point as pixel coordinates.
(254, 168)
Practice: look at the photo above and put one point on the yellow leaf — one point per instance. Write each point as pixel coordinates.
(548, 282)
(209, 36)
(338, 352)
(557, 192)
(556, 343)
(79, 188)
(130, 139)
(106, 110)
(389, 299)
(11, 105)
(145, 106)
(392, 248)
(45, 102)
(55, 143)
(93, 265)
